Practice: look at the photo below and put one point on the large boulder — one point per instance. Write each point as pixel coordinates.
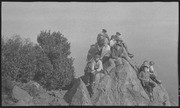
(78, 94)
(123, 88)
(21, 94)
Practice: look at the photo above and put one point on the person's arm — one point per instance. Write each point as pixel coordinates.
(92, 68)
(100, 65)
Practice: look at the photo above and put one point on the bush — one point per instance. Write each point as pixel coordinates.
(57, 49)
(18, 59)
(46, 62)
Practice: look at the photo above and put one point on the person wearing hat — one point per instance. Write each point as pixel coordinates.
(103, 38)
(152, 73)
(116, 57)
(147, 84)
(119, 40)
(145, 63)
(112, 41)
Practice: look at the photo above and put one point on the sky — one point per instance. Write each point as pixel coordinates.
(150, 29)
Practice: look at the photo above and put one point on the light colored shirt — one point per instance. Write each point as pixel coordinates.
(106, 51)
(97, 65)
(112, 42)
(151, 69)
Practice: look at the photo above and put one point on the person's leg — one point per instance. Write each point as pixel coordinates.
(152, 85)
(129, 54)
(148, 90)
(87, 79)
(112, 65)
(97, 78)
(153, 77)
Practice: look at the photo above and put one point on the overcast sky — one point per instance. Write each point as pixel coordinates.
(149, 29)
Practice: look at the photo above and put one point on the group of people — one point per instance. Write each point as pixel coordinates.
(112, 50)
(105, 49)
(148, 78)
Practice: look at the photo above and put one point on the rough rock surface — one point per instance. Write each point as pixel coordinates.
(78, 94)
(21, 94)
(29, 94)
(121, 88)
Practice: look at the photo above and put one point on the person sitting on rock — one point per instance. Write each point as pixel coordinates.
(142, 66)
(102, 37)
(147, 84)
(119, 39)
(94, 49)
(152, 73)
(97, 68)
(112, 41)
(105, 53)
(88, 74)
(116, 56)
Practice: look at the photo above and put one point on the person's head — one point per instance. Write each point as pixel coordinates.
(145, 68)
(104, 31)
(112, 37)
(118, 34)
(145, 62)
(151, 63)
(97, 57)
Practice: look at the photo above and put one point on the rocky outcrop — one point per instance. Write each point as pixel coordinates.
(32, 94)
(121, 87)
(78, 94)
(21, 95)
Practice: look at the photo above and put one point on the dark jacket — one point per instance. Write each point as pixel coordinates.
(144, 76)
(116, 53)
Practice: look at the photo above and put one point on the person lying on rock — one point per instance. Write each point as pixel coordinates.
(116, 57)
(97, 69)
(152, 73)
(117, 37)
(146, 82)
(102, 37)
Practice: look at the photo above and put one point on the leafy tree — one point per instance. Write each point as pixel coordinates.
(57, 49)
(46, 62)
(17, 59)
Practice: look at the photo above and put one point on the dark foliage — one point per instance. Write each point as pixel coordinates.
(46, 62)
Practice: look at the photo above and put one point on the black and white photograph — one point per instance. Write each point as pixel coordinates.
(89, 53)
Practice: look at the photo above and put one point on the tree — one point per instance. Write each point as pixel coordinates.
(57, 49)
(17, 59)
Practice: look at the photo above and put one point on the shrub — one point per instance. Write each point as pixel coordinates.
(57, 49)
(46, 62)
